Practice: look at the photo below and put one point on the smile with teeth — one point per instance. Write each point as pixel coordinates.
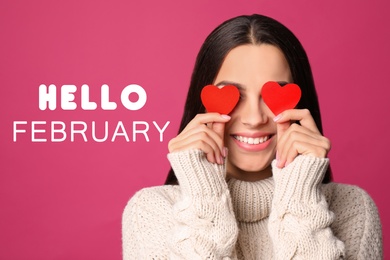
(251, 140)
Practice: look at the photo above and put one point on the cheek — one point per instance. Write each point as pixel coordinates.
(266, 109)
(235, 114)
(232, 123)
(228, 128)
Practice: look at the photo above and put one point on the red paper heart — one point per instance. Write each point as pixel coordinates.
(221, 100)
(279, 98)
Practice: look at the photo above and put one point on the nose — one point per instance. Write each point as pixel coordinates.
(253, 112)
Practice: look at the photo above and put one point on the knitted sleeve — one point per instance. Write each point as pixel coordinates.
(195, 222)
(205, 223)
(357, 221)
(146, 221)
(299, 223)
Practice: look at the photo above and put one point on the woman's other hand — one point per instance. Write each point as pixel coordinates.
(295, 139)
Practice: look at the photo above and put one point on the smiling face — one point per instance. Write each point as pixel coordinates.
(250, 135)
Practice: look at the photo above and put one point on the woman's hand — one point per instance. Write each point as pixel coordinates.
(295, 139)
(205, 132)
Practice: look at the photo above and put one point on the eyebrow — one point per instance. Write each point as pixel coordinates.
(225, 83)
(242, 87)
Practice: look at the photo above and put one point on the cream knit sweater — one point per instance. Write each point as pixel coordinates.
(288, 216)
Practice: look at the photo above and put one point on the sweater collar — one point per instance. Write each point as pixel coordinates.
(251, 200)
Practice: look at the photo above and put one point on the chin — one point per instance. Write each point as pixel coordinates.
(252, 167)
(254, 163)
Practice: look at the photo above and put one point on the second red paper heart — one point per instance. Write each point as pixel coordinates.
(279, 98)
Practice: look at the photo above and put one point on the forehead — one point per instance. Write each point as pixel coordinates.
(255, 64)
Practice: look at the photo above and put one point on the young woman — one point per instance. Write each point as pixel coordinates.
(251, 184)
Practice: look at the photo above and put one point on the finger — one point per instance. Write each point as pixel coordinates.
(299, 140)
(281, 128)
(198, 134)
(207, 118)
(290, 151)
(299, 133)
(202, 131)
(193, 136)
(296, 128)
(302, 115)
(203, 140)
(287, 149)
(212, 152)
(304, 148)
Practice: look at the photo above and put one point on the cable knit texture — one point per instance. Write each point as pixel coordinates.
(300, 218)
(288, 216)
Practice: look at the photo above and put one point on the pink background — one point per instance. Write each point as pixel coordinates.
(65, 200)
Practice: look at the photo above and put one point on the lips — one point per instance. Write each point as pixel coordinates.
(251, 140)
